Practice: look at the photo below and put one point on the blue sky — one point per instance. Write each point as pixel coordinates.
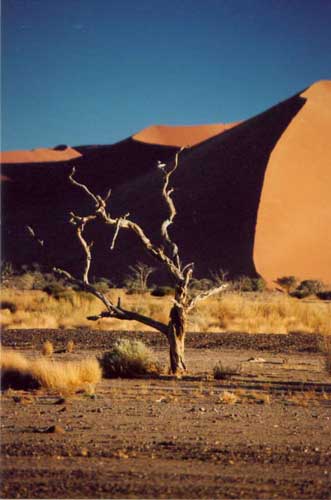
(95, 71)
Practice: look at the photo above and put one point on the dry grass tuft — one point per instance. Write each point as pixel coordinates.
(237, 312)
(258, 397)
(21, 374)
(70, 346)
(15, 372)
(129, 358)
(228, 398)
(47, 348)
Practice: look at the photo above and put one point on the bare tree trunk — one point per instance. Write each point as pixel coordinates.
(176, 339)
(177, 330)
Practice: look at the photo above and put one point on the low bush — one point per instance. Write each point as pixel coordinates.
(326, 295)
(129, 358)
(248, 284)
(102, 286)
(47, 348)
(288, 283)
(300, 294)
(7, 304)
(54, 289)
(20, 373)
(70, 346)
(162, 291)
(311, 287)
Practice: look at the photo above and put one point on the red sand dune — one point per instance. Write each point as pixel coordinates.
(293, 233)
(39, 155)
(256, 198)
(176, 135)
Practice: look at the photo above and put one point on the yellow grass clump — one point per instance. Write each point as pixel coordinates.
(70, 346)
(47, 348)
(228, 397)
(19, 372)
(265, 312)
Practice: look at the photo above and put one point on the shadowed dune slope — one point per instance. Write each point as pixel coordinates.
(41, 155)
(293, 234)
(217, 192)
(186, 135)
(41, 196)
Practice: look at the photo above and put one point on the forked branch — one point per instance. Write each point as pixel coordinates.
(204, 295)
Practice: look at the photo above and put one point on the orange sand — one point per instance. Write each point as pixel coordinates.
(187, 135)
(293, 233)
(39, 155)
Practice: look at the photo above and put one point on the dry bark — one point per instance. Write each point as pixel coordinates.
(167, 254)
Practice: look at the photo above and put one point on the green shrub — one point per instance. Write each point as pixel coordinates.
(54, 289)
(7, 274)
(248, 284)
(128, 358)
(306, 288)
(311, 286)
(162, 291)
(101, 286)
(201, 285)
(7, 304)
(326, 295)
(289, 283)
(300, 294)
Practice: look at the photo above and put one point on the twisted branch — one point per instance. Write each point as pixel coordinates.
(204, 295)
(166, 193)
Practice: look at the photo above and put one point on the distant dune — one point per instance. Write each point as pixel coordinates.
(252, 197)
(175, 135)
(40, 155)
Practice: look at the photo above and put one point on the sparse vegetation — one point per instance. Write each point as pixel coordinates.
(228, 397)
(325, 295)
(162, 291)
(129, 358)
(307, 288)
(248, 284)
(288, 283)
(47, 348)
(137, 280)
(265, 312)
(18, 372)
(70, 346)
(7, 304)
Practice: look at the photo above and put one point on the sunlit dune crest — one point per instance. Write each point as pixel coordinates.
(39, 155)
(293, 234)
(177, 135)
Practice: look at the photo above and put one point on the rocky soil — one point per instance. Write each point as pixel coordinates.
(263, 432)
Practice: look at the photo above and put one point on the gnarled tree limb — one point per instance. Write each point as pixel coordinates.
(166, 193)
(204, 295)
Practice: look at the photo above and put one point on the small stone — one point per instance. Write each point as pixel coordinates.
(55, 429)
(60, 401)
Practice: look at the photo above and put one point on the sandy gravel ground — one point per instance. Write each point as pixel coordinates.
(169, 438)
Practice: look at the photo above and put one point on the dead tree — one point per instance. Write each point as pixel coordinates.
(167, 254)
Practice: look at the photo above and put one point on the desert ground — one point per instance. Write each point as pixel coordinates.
(261, 432)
